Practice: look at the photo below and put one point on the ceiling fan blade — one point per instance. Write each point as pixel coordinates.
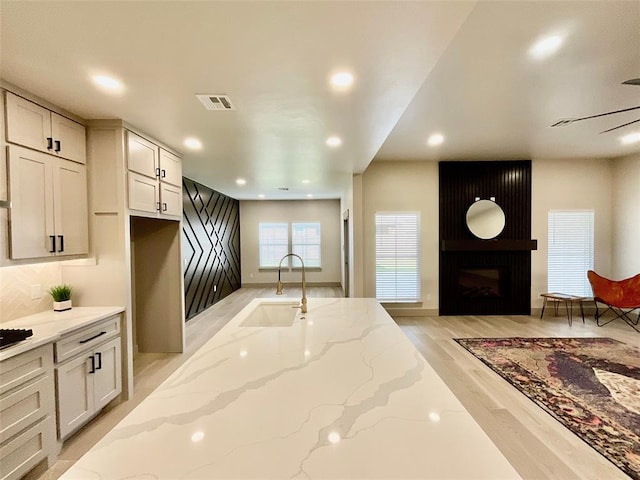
(620, 126)
(633, 81)
(568, 121)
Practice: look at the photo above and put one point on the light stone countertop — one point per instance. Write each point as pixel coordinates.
(342, 393)
(49, 326)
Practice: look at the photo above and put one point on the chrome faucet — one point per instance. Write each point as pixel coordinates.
(303, 305)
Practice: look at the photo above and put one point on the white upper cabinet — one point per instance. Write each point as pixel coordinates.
(142, 156)
(154, 178)
(170, 168)
(36, 127)
(48, 214)
(69, 138)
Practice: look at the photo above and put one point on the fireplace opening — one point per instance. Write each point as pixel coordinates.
(482, 283)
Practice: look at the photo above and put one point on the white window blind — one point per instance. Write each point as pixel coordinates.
(306, 242)
(570, 252)
(274, 243)
(398, 256)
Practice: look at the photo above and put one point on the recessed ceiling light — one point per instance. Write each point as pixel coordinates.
(305, 181)
(630, 138)
(435, 140)
(342, 80)
(241, 181)
(546, 47)
(334, 141)
(192, 143)
(309, 195)
(261, 195)
(108, 84)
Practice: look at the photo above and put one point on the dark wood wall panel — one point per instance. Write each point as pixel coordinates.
(211, 246)
(510, 183)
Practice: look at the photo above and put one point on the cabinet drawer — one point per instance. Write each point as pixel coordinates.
(24, 367)
(26, 450)
(25, 406)
(85, 339)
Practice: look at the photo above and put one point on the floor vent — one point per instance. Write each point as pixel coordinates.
(216, 102)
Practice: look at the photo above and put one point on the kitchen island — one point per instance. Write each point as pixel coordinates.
(339, 392)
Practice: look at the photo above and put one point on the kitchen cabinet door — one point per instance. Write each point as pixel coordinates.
(69, 138)
(107, 381)
(144, 193)
(170, 168)
(28, 124)
(71, 217)
(31, 215)
(75, 395)
(142, 156)
(171, 198)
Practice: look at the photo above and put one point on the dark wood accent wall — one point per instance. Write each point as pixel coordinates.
(210, 247)
(510, 183)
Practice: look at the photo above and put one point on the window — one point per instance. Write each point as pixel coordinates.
(398, 256)
(305, 241)
(570, 251)
(274, 243)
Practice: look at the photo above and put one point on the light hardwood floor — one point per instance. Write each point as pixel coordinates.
(536, 444)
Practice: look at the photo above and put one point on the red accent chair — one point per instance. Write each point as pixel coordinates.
(622, 297)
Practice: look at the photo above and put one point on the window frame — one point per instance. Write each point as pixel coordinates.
(270, 263)
(567, 270)
(305, 259)
(289, 262)
(397, 290)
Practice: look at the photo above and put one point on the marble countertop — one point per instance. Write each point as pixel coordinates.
(49, 326)
(341, 393)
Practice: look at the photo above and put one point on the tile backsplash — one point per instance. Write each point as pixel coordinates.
(19, 283)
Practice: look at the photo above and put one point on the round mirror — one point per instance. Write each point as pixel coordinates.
(485, 219)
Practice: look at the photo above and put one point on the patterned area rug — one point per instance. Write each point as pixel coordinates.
(591, 385)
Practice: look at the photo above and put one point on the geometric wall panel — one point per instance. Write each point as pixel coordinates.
(210, 246)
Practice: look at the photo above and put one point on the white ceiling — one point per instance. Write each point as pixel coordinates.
(460, 68)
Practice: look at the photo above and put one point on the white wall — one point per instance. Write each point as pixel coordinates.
(570, 184)
(327, 212)
(402, 186)
(626, 218)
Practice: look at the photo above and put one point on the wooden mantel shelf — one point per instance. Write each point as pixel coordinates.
(495, 245)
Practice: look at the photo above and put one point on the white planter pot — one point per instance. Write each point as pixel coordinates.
(62, 306)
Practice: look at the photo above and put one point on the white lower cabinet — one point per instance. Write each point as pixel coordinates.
(88, 381)
(27, 412)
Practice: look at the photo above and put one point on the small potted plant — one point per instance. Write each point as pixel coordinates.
(61, 295)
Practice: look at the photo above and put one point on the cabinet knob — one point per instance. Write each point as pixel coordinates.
(49, 143)
(99, 357)
(164, 207)
(158, 206)
(158, 172)
(61, 238)
(164, 173)
(93, 364)
(53, 243)
(57, 149)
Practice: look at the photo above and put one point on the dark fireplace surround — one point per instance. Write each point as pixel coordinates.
(485, 277)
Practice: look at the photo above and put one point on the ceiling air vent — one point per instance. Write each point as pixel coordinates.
(216, 102)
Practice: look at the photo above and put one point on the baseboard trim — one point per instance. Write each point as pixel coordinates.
(412, 312)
